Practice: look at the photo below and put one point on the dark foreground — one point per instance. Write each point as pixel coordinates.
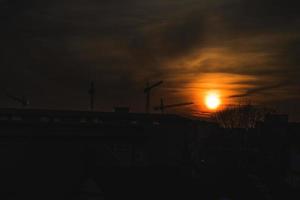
(88, 155)
(149, 183)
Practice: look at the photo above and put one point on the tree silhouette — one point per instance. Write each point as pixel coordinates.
(241, 115)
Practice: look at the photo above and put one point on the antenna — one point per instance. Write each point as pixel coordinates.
(147, 91)
(162, 107)
(92, 95)
(23, 100)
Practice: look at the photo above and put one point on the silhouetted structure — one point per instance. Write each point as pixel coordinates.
(92, 95)
(147, 91)
(122, 109)
(163, 107)
(22, 100)
(141, 156)
(48, 151)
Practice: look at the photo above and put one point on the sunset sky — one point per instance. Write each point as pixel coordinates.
(239, 49)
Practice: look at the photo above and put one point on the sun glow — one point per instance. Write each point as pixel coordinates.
(212, 101)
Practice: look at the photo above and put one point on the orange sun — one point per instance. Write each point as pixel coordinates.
(212, 101)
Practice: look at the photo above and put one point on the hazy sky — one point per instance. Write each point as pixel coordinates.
(243, 49)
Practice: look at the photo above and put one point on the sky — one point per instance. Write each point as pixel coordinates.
(240, 49)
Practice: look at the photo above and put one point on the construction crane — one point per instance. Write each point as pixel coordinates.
(147, 91)
(23, 100)
(163, 107)
(92, 95)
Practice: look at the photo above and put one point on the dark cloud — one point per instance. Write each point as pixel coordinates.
(256, 90)
(51, 49)
(257, 16)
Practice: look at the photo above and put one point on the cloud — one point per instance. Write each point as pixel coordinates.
(257, 90)
(60, 45)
